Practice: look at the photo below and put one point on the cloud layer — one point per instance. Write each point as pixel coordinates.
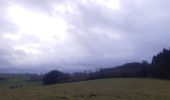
(81, 34)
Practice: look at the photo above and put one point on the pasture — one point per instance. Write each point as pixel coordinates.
(103, 89)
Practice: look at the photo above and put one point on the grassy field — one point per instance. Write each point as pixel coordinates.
(104, 89)
(17, 81)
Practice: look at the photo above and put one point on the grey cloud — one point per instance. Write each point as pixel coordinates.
(144, 26)
(5, 25)
(98, 36)
(38, 5)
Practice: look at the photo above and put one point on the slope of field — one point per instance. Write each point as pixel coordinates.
(104, 89)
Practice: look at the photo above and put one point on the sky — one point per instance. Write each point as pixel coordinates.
(71, 35)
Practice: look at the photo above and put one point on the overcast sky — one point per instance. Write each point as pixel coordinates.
(81, 34)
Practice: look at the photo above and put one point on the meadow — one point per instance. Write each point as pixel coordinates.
(103, 89)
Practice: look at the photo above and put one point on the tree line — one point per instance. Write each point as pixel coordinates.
(158, 68)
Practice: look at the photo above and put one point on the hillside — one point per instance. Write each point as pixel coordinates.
(127, 70)
(104, 89)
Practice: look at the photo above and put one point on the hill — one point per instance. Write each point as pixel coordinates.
(127, 70)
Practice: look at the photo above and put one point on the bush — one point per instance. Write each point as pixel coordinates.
(54, 77)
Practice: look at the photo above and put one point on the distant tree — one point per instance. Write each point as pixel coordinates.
(35, 77)
(146, 68)
(2, 78)
(54, 77)
(145, 62)
(160, 66)
(134, 69)
(79, 76)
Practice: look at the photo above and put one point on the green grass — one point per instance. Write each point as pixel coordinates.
(104, 89)
(16, 81)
